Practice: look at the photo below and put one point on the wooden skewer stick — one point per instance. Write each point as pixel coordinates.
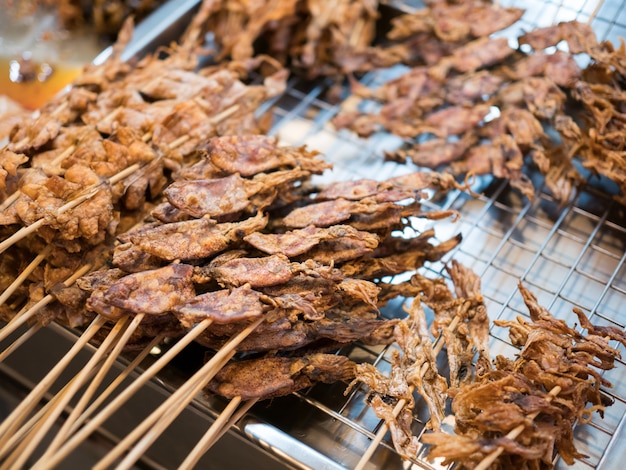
(94, 406)
(216, 431)
(120, 399)
(116, 383)
(9, 200)
(595, 11)
(169, 414)
(24, 274)
(196, 382)
(396, 411)
(63, 433)
(514, 433)
(22, 317)
(19, 414)
(19, 341)
(29, 444)
(198, 451)
(36, 418)
(59, 158)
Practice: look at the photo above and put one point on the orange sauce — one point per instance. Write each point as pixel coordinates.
(33, 93)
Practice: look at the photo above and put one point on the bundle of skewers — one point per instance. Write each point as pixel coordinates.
(144, 205)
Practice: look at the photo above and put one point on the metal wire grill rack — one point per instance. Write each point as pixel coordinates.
(570, 255)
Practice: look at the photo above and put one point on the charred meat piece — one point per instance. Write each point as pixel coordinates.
(222, 306)
(284, 334)
(298, 242)
(230, 194)
(271, 377)
(559, 66)
(436, 152)
(365, 214)
(249, 155)
(192, 239)
(396, 256)
(258, 272)
(152, 292)
(475, 55)
(580, 37)
(454, 22)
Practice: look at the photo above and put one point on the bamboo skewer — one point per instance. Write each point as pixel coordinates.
(206, 440)
(28, 445)
(24, 274)
(9, 200)
(120, 399)
(12, 422)
(595, 11)
(62, 434)
(402, 402)
(196, 382)
(116, 383)
(514, 433)
(28, 426)
(169, 414)
(216, 431)
(21, 318)
(101, 397)
(19, 341)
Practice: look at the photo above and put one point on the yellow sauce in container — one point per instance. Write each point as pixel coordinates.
(33, 91)
(38, 58)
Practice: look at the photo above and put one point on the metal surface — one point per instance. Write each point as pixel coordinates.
(569, 256)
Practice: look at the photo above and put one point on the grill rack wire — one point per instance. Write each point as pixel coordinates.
(570, 255)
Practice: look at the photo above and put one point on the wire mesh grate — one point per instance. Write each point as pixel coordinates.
(570, 255)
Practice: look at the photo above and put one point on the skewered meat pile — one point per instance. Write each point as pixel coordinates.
(233, 257)
(553, 381)
(106, 18)
(552, 355)
(461, 321)
(473, 104)
(111, 142)
(314, 37)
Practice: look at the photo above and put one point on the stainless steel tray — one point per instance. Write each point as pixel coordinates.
(569, 256)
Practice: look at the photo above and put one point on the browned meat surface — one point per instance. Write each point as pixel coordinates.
(249, 155)
(453, 22)
(478, 54)
(192, 239)
(580, 37)
(301, 241)
(559, 66)
(284, 334)
(271, 377)
(229, 195)
(258, 272)
(152, 292)
(222, 306)
(522, 392)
